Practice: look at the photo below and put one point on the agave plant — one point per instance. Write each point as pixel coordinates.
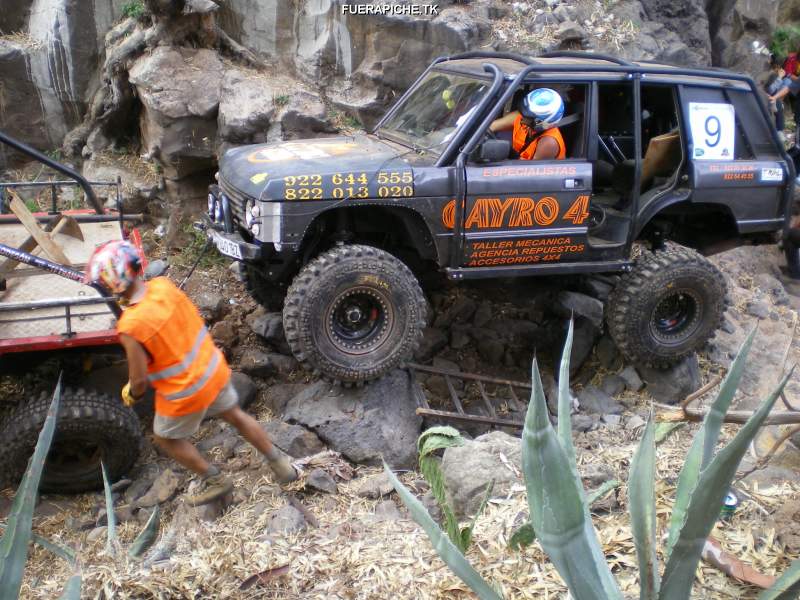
(18, 532)
(559, 507)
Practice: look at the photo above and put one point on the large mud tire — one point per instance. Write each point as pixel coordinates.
(90, 425)
(354, 313)
(666, 307)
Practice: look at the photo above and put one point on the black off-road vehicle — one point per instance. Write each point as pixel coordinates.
(684, 160)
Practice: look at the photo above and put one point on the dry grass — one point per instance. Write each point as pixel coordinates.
(352, 556)
(22, 38)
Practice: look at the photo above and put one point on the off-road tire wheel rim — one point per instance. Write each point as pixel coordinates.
(792, 253)
(354, 313)
(666, 307)
(90, 426)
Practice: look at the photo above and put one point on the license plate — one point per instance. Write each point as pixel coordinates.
(227, 247)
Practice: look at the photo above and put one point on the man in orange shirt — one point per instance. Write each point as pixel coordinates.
(169, 348)
(535, 135)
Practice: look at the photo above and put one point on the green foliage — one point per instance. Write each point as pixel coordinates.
(447, 551)
(785, 39)
(431, 440)
(111, 517)
(280, 99)
(17, 536)
(134, 9)
(147, 536)
(560, 512)
(195, 242)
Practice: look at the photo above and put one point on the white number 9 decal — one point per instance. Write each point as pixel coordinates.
(714, 129)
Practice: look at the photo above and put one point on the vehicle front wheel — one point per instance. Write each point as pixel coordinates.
(354, 313)
(90, 426)
(667, 307)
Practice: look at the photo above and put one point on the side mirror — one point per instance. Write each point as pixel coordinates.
(155, 268)
(491, 151)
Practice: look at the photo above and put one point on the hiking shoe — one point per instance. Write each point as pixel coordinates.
(283, 470)
(211, 488)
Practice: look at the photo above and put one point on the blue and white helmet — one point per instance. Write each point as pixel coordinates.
(544, 105)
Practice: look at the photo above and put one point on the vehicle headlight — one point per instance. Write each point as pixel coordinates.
(218, 213)
(248, 212)
(211, 202)
(255, 228)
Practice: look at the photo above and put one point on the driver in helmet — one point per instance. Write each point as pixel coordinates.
(169, 348)
(535, 135)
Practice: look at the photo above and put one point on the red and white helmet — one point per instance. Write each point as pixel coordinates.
(114, 265)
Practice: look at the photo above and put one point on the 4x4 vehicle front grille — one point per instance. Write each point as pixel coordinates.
(237, 200)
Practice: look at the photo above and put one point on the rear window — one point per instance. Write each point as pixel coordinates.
(752, 137)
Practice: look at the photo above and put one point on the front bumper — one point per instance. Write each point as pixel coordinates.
(231, 245)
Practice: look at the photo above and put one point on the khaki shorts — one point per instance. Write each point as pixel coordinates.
(178, 428)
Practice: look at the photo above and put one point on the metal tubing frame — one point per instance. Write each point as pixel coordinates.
(53, 164)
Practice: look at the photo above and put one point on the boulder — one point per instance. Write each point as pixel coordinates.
(277, 396)
(246, 107)
(245, 388)
(632, 380)
(468, 469)
(319, 480)
(607, 354)
(672, 385)
(364, 424)
(595, 400)
(375, 487)
(163, 489)
(295, 440)
(433, 341)
(225, 335)
(305, 116)
(269, 326)
(140, 182)
(386, 511)
(211, 304)
(286, 520)
(613, 385)
(256, 363)
(179, 89)
(575, 303)
(583, 423)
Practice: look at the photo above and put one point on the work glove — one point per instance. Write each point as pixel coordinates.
(128, 398)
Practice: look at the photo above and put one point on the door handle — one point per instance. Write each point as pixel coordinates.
(573, 183)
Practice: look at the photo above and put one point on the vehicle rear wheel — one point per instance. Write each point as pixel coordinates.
(791, 249)
(354, 313)
(90, 426)
(667, 307)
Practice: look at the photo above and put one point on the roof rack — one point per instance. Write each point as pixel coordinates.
(588, 55)
(525, 60)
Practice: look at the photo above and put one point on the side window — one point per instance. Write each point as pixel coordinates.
(755, 127)
(712, 128)
(615, 123)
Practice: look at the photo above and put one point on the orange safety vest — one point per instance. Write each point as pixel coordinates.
(522, 134)
(186, 369)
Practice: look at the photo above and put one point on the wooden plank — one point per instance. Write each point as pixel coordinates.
(429, 412)
(418, 393)
(487, 403)
(454, 395)
(513, 399)
(28, 245)
(42, 238)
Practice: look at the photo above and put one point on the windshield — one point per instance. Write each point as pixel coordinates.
(431, 115)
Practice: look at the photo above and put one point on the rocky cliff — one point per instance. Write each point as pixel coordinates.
(305, 64)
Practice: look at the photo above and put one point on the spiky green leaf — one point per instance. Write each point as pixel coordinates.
(558, 513)
(147, 535)
(72, 591)
(787, 587)
(642, 507)
(111, 530)
(716, 413)
(451, 555)
(601, 491)
(57, 548)
(565, 398)
(524, 536)
(14, 544)
(705, 504)
(664, 430)
(701, 445)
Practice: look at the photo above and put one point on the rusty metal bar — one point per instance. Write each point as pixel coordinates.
(429, 412)
(486, 402)
(469, 376)
(454, 395)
